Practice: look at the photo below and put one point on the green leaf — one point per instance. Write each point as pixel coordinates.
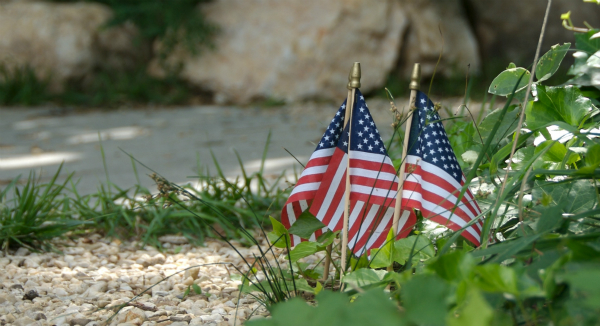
(384, 257)
(507, 126)
(279, 234)
(573, 197)
(454, 267)
(556, 152)
(364, 276)
(318, 288)
(496, 278)
(558, 104)
(423, 249)
(585, 43)
(424, 298)
(584, 285)
(327, 238)
(300, 284)
(196, 288)
(334, 308)
(592, 156)
(505, 82)
(474, 310)
(306, 225)
(550, 61)
(303, 249)
(505, 151)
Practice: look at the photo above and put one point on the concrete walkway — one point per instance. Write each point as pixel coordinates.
(169, 140)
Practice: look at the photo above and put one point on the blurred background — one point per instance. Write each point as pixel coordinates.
(170, 81)
(106, 53)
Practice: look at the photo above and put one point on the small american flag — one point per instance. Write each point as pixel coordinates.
(372, 177)
(434, 178)
(310, 180)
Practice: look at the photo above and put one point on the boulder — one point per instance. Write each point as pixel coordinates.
(509, 30)
(295, 49)
(434, 23)
(61, 41)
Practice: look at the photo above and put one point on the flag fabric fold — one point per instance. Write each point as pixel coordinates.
(373, 183)
(434, 178)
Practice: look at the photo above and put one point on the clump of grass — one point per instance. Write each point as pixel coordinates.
(115, 88)
(21, 86)
(35, 213)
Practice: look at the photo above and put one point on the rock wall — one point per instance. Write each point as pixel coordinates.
(61, 41)
(292, 49)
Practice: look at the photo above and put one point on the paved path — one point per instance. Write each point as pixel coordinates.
(169, 140)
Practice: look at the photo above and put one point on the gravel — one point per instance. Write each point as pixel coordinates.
(91, 276)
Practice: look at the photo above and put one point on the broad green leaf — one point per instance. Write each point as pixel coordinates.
(555, 152)
(295, 307)
(550, 61)
(592, 156)
(505, 82)
(585, 43)
(424, 297)
(423, 249)
(558, 104)
(306, 225)
(474, 310)
(507, 126)
(384, 257)
(584, 285)
(574, 196)
(364, 276)
(502, 154)
(454, 267)
(522, 156)
(279, 234)
(496, 278)
(318, 288)
(327, 238)
(370, 308)
(303, 249)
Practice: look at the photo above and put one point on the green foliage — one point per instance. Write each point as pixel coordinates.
(115, 88)
(172, 23)
(20, 86)
(371, 307)
(35, 213)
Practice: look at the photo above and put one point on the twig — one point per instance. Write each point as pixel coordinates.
(522, 117)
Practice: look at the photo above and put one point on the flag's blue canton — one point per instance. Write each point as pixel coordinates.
(332, 134)
(365, 136)
(429, 139)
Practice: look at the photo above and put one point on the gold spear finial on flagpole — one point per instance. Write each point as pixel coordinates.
(354, 76)
(415, 79)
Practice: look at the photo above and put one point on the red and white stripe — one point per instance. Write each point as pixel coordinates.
(372, 198)
(305, 190)
(434, 192)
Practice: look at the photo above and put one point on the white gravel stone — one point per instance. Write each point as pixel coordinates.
(103, 274)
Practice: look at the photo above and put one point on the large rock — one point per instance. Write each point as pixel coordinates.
(424, 41)
(508, 30)
(296, 49)
(61, 41)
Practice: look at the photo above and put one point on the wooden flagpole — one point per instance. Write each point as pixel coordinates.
(414, 86)
(353, 84)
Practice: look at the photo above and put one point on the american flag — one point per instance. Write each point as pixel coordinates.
(372, 178)
(433, 177)
(310, 180)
